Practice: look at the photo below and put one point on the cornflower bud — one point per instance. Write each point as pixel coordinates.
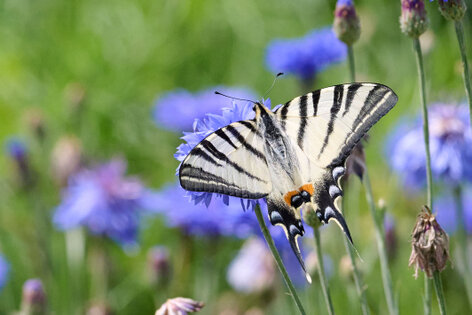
(34, 298)
(413, 20)
(430, 244)
(179, 305)
(159, 265)
(452, 9)
(346, 22)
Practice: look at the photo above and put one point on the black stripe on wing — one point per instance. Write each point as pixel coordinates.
(337, 101)
(379, 102)
(197, 179)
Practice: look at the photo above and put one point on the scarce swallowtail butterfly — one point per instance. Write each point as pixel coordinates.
(293, 157)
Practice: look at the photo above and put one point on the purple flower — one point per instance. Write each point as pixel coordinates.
(178, 109)
(207, 125)
(306, 56)
(105, 201)
(447, 215)
(4, 271)
(450, 146)
(221, 216)
(253, 268)
(180, 306)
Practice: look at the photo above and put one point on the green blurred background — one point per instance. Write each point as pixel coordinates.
(121, 55)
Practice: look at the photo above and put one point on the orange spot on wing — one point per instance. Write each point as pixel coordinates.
(308, 188)
(288, 196)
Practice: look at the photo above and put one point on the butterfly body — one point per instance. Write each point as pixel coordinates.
(294, 157)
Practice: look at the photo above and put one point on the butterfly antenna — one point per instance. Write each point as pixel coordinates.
(273, 83)
(234, 98)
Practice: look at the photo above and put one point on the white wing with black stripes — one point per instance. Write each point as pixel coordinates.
(328, 123)
(229, 161)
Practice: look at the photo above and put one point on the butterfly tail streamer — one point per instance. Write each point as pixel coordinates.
(281, 214)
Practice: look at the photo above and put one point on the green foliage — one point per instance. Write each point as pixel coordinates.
(124, 54)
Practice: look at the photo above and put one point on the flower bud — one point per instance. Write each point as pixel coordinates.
(452, 9)
(18, 152)
(413, 20)
(310, 217)
(35, 121)
(34, 298)
(66, 158)
(159, 265)
(346, 22)
(390, 236)
(355, 162)
(430, 244)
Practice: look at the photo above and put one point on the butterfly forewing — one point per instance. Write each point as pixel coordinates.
(329, 122)
(229, 161)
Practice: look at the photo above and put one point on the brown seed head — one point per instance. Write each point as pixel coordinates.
(430, 244)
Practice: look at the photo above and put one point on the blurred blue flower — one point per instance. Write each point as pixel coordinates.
(212, 219)
(177, 110)
(450, 146)
(207, 125)
(105, 201)
(306, 56)
(445, 206)
(253, 269)
(4, 271)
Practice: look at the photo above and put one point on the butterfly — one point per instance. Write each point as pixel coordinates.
(293, 157)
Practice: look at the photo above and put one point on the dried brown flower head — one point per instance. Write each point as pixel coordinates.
(430, 244)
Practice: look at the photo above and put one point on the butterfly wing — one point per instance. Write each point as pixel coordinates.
(229, 161)
(325, 125)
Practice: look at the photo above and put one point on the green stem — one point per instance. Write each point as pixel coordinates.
(462, 240)
(439, 292)
(379, 235)
(352, 67)
(277, 258)
(419, 63)
(357, 278)
(465, 64)
(427, 295)
(356, 273)
(321, 271)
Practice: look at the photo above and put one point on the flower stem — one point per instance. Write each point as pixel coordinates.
(439, 292)
(419, 63)
(427, 295)
(352, 68)
(465, 64)
(277, 258)
(462, 240)
(356, 274)
(323, 280)
(379, 235)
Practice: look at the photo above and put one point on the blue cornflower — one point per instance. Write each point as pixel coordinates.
(219, 217)
(450, 146)
(105, 201)
(207, 125)
(306, 56)
(18, 152)
(177, 110)
(447, 215)
(4, 271)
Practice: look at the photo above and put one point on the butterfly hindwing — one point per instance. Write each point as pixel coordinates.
(229, 161)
